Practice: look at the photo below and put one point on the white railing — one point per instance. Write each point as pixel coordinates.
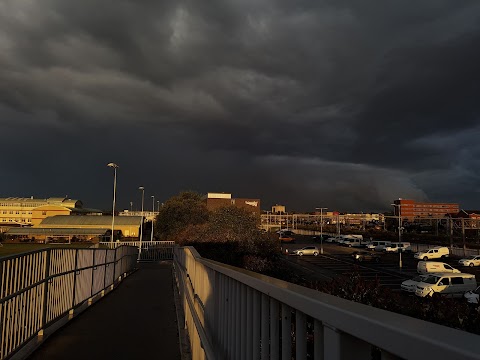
(148, 250)
(232, 313)
(39, 287)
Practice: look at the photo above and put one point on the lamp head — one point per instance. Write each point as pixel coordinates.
(141, 188)
(112, 165)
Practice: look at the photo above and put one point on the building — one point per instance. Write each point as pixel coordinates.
(17, 212)
(91, 228)
(218, 200)
(411, 209)
(278, 209)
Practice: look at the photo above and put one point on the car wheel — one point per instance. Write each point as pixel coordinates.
(360, 260)
(425, 258)
(300, 253)
(315, 253)
(435, 295)
(471, 265)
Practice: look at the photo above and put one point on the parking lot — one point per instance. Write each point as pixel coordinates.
(337, 260)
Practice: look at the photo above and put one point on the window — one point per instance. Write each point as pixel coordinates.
(44, 213)
(457, 281)
(448, 267)
(445, 281)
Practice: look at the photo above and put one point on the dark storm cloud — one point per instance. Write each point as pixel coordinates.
(342, 103)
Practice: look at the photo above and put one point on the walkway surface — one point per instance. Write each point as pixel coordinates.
(136, 321)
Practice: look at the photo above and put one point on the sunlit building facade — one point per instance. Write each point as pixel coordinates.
(411, 209)
(16, 211)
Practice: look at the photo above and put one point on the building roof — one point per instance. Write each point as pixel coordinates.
(56, 231)
(53, 200)
(90, 220)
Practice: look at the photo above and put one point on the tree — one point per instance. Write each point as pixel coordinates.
(178, 213)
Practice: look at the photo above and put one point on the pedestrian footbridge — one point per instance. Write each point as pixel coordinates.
(112, 303)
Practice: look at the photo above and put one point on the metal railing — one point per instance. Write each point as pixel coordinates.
(232, 313)
(148, 250)
(39, 287)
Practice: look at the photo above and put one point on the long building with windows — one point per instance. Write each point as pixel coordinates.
(18, 212)
(411, 209)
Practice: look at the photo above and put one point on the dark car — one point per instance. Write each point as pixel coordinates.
(365, 256)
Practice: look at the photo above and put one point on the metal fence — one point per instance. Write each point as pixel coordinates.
(39, 287)
(232, 313)
(149, 251)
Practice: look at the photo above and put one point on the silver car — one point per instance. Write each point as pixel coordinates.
(307, 250)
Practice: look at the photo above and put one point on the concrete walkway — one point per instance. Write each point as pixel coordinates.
(136, 321)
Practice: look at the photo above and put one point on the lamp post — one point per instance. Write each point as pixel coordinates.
(321, 228)
(153, 212)
(141, 224)
(158, 206)
(115, 167)
(399, 207)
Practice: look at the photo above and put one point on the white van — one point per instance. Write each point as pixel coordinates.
(382, 245)
(446, 284)
(378, 245)
(424, 267)
(398, 246)
(433, 253)
(353, 241)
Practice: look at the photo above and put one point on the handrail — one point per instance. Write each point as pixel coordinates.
(38, 288)
(342, 328)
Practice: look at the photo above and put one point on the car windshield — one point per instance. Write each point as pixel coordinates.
(471, 257)
(431, 280)
(417, 278)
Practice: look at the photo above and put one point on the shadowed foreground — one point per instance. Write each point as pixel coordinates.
(136, 321)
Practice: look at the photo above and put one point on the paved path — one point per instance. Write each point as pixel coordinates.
(136, 321)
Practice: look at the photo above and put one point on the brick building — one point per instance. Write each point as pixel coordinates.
(218, 200)
(411, 209)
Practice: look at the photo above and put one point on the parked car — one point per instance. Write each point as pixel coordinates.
(398, 246)
(330, 239)
(446, 284)
(433, 253)
(365, 256)
(424, 267)
(307, 250)
(473, 296)
(473, 260)
(411, 284)
(286, 239)
(378, 245)
(353, 242)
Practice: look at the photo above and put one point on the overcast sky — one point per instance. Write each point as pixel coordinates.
(339, 104)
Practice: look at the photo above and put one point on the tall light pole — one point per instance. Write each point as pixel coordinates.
(321, 227)
(153, 212)
(158, 206)
(399, 207)
(141, 224)
(115, 167)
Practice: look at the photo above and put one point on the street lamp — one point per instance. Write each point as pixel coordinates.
(321, 228)
(153, 212)
(115, 167)
(141, 224)
(399, 207)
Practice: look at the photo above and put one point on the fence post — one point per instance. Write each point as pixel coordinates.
(75, 278)
(45, 289)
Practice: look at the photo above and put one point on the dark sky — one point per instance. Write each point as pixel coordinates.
(340, 104)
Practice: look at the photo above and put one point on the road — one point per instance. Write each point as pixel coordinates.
(336, 260)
